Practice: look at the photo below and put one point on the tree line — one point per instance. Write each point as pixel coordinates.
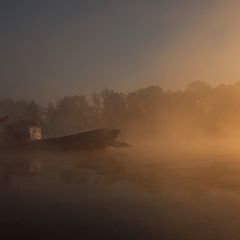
(199, 109)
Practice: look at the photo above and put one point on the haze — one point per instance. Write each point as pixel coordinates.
(120, 119)
(51, 49)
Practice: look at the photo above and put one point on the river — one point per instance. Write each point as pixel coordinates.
(120, 194)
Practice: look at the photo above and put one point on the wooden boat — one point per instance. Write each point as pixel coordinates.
(26, 135)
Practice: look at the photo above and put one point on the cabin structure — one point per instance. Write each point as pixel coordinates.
(23, 131)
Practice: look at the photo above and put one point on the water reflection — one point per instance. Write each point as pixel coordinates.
(121, 194)
(192, 174)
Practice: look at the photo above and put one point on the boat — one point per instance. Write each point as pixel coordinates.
(27, 135)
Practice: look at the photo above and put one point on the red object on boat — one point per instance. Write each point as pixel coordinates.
(4, 119)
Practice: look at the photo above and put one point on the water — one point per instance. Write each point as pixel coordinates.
(120, 194)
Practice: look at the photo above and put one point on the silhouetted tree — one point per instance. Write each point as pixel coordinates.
(200, 109)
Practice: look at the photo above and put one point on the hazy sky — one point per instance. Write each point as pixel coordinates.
(52, 48)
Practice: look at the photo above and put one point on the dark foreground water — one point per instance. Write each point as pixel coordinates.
(119, 195)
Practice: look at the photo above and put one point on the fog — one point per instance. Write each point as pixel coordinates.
(197, 117)
(170, 77)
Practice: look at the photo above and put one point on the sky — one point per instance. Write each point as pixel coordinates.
(53, 48)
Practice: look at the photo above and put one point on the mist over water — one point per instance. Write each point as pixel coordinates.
(169, 72)
(178, 180)
(120, 194)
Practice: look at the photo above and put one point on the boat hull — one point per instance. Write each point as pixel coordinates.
(89, 140)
